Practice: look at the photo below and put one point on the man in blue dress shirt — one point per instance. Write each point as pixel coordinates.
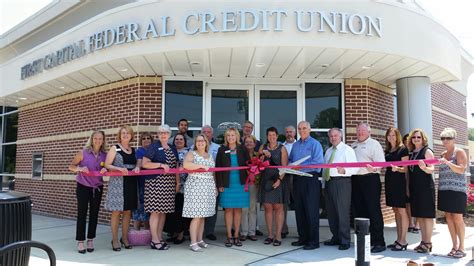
(306, 190)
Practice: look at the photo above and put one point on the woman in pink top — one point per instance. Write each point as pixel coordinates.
(89, 189)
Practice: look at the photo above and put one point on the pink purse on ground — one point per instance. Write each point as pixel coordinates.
(139, 238)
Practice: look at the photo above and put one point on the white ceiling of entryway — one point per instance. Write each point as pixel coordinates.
(241, 62)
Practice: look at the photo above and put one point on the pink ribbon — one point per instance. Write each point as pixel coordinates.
(260, 166)
(256, 166)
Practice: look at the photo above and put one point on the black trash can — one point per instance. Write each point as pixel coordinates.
(15, 225)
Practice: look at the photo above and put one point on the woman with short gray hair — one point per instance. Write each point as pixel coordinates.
(452, 187)
(160, 189)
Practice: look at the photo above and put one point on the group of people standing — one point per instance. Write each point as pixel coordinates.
(190, 199)
(406, 188)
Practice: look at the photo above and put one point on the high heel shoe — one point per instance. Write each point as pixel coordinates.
(90, 245)
(424, 247)
(125, 246)
(159, 245)
(114, 248)
(83, 250)
(399, 247)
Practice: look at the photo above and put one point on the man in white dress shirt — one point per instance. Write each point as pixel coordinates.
(366, 185)
(338, 190)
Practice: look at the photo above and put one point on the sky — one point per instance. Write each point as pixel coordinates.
(455, 15)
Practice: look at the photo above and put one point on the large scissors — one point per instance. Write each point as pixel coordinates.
(282, 171)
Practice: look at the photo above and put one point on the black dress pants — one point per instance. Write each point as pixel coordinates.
(366, 191)
(306, 192)
(87, 198)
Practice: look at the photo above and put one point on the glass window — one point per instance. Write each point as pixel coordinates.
(10, 109)
(229, 108)
(282, 102)
(9, 156)
(37, 165)
(323, 105)
(323, 138)
(183, 99)
(11, 127)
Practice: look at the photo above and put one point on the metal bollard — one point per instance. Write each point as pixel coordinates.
(362, 242)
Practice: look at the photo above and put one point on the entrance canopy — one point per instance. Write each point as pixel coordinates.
(297, 40)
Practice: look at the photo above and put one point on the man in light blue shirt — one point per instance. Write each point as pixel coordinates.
(307, 190)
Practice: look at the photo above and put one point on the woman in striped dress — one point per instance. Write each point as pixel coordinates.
(160, 190)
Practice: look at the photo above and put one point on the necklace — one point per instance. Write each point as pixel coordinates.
(272, 148)
(126, 150)
(414, 156)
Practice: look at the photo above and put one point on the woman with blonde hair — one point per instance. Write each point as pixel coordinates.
(452, 187)
(421, 187)
(122, 191)
(396, 186)
(231, 184)
(199, 191)
(89, 189)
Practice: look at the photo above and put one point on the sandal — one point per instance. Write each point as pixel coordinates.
(399, 247)
(452, 252)
(159, 245)
(228, 242)
(424, 247)
(276, 243)
(237, 242)
(459, 254)
(195, 247)
(203, 244)
(415, 230)
(253, 238)
(395, 243)
(268, 241)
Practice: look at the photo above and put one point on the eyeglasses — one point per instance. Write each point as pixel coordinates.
(446, 138)
(145, 138)
(417, 137)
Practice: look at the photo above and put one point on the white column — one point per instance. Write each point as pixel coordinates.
(414, 105)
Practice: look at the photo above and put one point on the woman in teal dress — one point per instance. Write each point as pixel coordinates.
(231, 183)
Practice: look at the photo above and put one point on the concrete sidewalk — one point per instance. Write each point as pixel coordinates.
(59, 234)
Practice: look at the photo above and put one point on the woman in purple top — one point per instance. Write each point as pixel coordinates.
(89, 189)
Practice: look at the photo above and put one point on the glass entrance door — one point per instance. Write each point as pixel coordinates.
(276, 106)
(229, 106)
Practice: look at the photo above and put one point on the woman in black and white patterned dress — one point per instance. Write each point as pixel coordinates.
(122, 194)
(199, 191)
(160, 190)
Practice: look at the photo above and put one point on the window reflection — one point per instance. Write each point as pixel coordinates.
(229, 108)
(323, 105)
(11, 127)
(183, 99)
(9, 158)
(277, 109)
